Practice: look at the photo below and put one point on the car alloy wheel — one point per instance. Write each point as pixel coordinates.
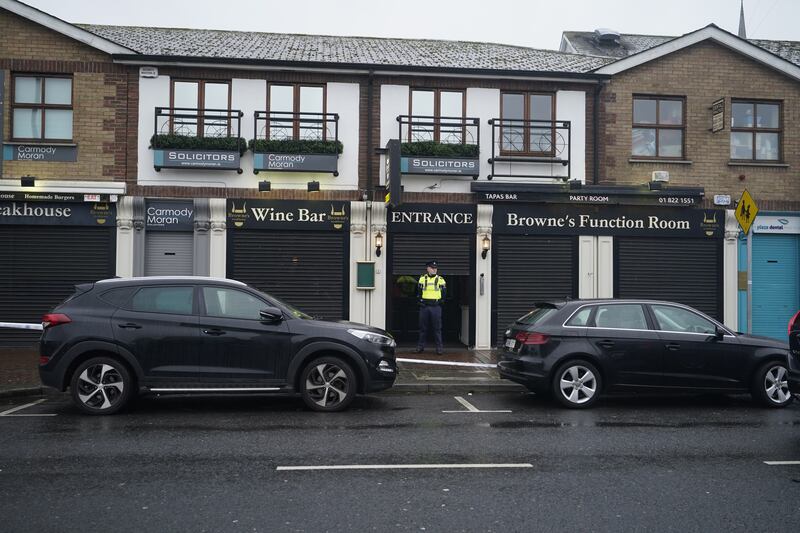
(101, 386)
(577, 384)
(776, 385)
(328, 384)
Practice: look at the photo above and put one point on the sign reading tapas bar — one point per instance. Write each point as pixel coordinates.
(39, 152)
(196, 159)
(285, 214)
(628, 221)
(452, 166)
(296, 162)
(70, 214)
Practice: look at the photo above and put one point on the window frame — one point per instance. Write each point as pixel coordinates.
(657, 126)
(756, 129)
(437, 111)
(201, 98)
(43, 107)
(526, 141)
(296, 88)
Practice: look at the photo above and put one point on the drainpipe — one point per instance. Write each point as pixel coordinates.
(595, 133)
(370, 100)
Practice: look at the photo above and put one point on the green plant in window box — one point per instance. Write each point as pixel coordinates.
(437, 149)
(188, 142)
(288, 146)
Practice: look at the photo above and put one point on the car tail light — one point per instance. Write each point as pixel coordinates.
(54, 319)
(531, 338)
(794, 323)
(43, 360)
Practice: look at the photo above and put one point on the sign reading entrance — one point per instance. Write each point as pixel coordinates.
(718, 115)
(296, 162)
(433, 218)
(451, 166)
(197, 159)
(39, 152)
(272, 214)
(46, 213)
(746, 211)
(169, 215)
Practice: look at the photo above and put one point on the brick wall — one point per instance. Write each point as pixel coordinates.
(704, 73)
(102, 103)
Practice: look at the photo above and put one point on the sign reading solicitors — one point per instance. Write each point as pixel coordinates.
(39, 152)
(284, 214)
(628, 221)
(433, 218)
(46, 213)
(196, 159)
(440, 165)
(296, 162)
(169, 215)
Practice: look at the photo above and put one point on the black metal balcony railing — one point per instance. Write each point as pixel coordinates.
(192, 122)
(284, 141)
(443, 130)
(291, 126)
(529, 144)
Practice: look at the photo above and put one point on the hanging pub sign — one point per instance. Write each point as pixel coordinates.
(394, 188)
(448, 166)
(296, 163)
(718, 115)
(432, 218)
(62, 214)
(285, 214)
(169, 215)
(628, 221)
(40, 152)
(196, 159)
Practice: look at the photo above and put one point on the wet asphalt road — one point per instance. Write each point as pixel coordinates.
(190, 464)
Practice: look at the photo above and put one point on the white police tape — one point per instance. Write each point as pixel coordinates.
(444, 363)
(20, 325)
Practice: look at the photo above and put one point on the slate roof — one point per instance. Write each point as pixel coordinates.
(584, 42)
(355, 51)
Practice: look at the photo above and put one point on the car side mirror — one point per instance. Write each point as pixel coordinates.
(271, 314)
(719, 333)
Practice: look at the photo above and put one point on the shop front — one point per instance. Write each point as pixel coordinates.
(50, 242)
(297, 251)
(169, 238)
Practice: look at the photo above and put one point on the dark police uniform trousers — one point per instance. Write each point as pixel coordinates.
(430, 315)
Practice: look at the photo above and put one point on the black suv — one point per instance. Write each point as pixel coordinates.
(794, 353)
(115, 338)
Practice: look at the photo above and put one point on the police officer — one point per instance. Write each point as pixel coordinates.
(431, 290)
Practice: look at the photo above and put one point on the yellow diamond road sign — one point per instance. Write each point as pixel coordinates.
(746, 211)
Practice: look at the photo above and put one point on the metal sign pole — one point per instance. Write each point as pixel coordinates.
(750, 281)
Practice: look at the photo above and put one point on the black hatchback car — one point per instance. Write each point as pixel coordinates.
(115, 338)
(577, 349)
(794, 355)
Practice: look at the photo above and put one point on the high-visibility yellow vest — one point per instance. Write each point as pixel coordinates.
(431, 287)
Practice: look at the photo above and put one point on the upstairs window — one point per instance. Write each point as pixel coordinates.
(195, 103)
(756, 131)
(658, 127)
(41, 108)
(296, 112)
(428, 107)
(528, 125)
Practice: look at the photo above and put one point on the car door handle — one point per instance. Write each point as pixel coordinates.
(216, 332)
(606, 344)
(130, 325)
(673, 346)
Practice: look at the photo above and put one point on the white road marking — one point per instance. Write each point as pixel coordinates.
(20, 325)
(21, 407)
(781, 463)
(471, 408)
(405, 466)
(445, 363)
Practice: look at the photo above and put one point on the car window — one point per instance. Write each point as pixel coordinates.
(620, 316)
(118, 297)
(670, 318)
(581, 318)
(230, 303)
(172, 300)
(537, 315)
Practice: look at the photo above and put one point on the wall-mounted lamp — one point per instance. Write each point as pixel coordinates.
(378, 244)
(264, 186)
(28, 181)
(313, 186)
(486, 245)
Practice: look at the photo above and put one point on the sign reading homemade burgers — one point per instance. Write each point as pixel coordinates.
(629, 221)
(196, 159)
(271, 214)
(453, 166)
(169, 215)
(433, 218)
(56, 196)
(46, 213)
(39, 152)
(296, 162)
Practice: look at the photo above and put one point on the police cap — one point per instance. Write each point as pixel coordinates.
(432, 264)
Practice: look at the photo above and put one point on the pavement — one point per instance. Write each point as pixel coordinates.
(19, 373)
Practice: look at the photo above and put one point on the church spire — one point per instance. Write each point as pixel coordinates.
(742, 29)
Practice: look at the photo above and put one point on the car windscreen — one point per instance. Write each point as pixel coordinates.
(537, 315)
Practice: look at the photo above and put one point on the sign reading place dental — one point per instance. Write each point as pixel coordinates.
(433, 218)
(169, 215)
(40, 152)
(296, 162)
(627, 221)
(271, 214)
(196, 159)
(451, 166)
(50, 213)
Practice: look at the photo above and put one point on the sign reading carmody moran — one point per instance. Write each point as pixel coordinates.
(169, 215)
(287, 214)
(629, 221)
(40, 152)
(296, 162)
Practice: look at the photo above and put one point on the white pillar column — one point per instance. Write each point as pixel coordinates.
(483, 280)
(217, 244)
(359, 298)
(377, 218)
(730, 268)
(125, 234)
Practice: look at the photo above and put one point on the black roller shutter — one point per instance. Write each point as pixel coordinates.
(528, 269)
(39, 267)
(687, 271)
(306, 269)
(410, 252)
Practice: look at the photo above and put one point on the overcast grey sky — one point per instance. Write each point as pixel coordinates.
(536, 23)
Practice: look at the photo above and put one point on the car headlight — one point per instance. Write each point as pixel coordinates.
(374, 338)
